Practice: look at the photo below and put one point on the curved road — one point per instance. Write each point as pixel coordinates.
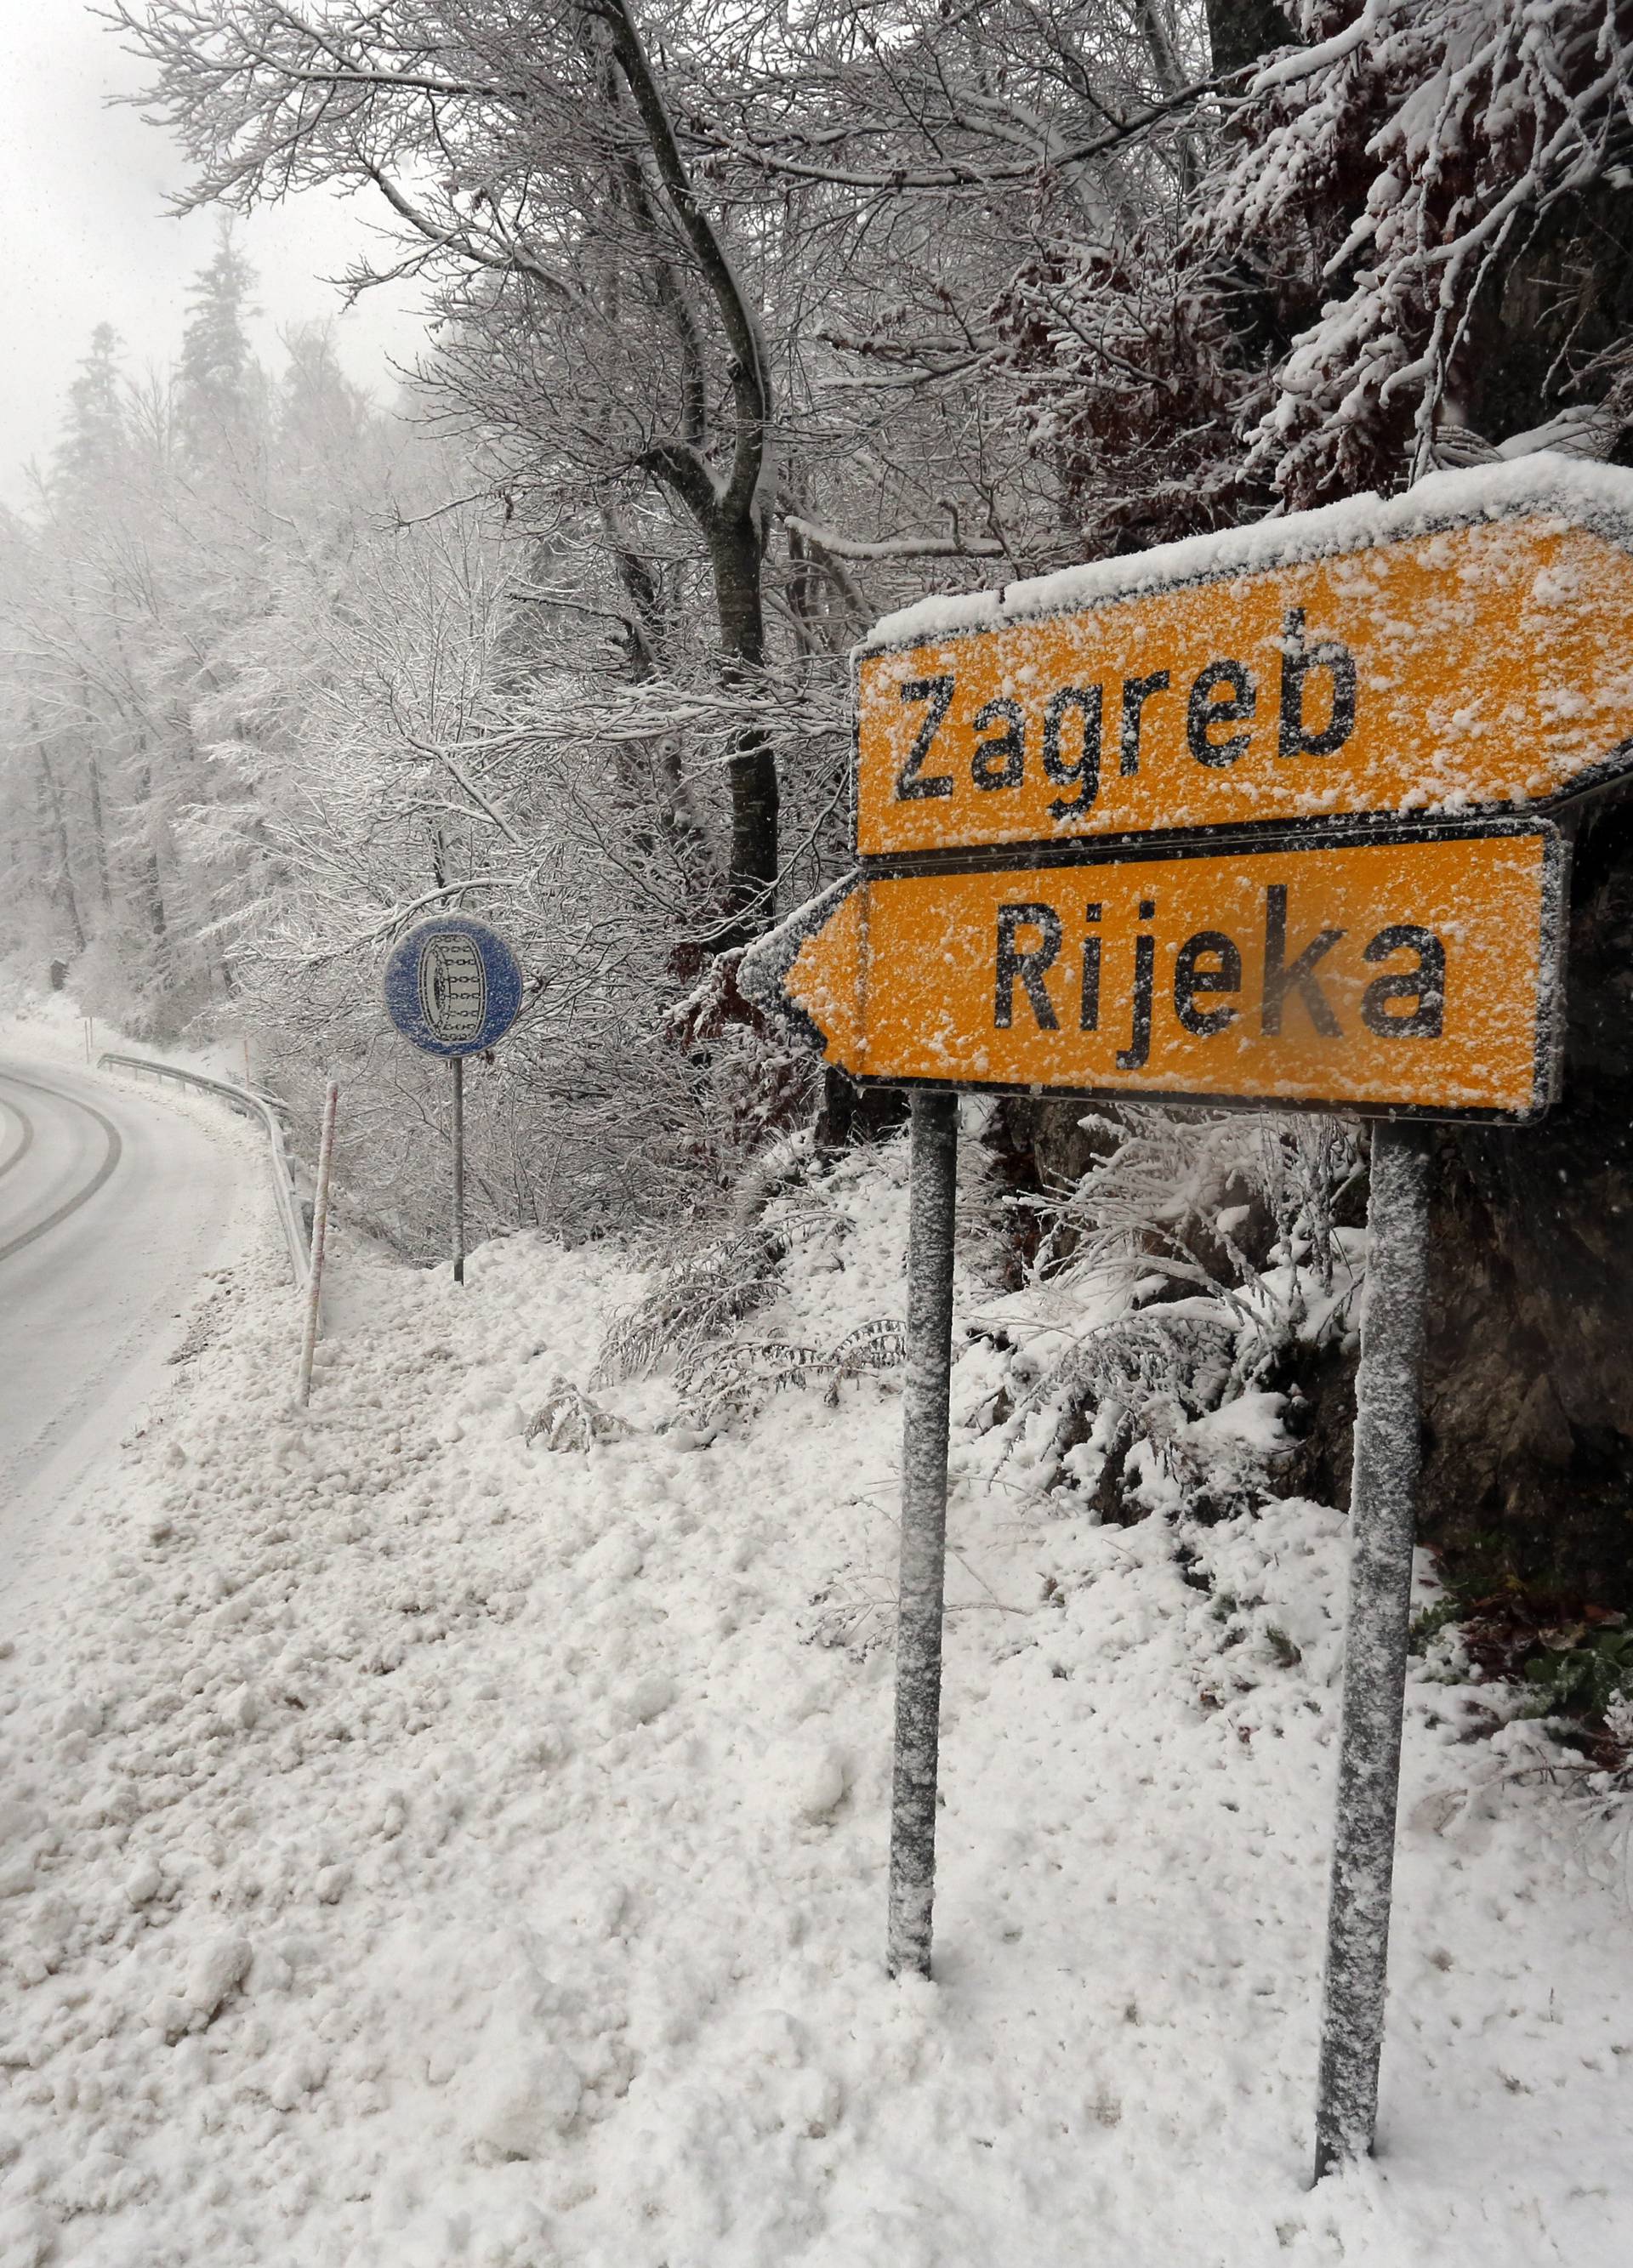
(112, 1205)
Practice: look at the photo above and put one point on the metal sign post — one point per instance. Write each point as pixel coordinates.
(931, 1199)
(1383, 1493)
(454, 988)
(1189, 827)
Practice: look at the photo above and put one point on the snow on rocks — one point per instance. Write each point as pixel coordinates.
(421, 1850)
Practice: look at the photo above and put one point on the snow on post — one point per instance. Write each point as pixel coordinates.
(1382, 1520)
(319, 1238)
(924, 1531)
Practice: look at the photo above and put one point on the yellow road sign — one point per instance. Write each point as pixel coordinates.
(1433, 660)
(1410, 975)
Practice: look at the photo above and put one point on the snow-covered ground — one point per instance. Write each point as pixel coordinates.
(423, 1846)
(51, 1024)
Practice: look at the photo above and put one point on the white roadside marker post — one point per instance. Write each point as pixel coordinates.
(932, 1195)
(459, 1169)
(319, 1238)
(1382, 1524)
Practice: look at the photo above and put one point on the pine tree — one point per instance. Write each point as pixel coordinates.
(93, 441)
(321, 414)
(1433, 207)
(215, 375)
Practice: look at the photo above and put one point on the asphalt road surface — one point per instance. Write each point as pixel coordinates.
(113, 1205)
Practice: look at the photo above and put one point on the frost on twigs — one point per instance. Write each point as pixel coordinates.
(698, 1300)
(568, 1419)
(1189, 1279)
(738, 1375)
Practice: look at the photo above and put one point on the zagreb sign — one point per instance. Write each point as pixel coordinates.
(1256, 818)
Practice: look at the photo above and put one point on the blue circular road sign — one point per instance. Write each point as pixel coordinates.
(453, 986)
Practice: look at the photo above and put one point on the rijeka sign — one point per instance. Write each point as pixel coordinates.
(1413, 974)
(1237, 820)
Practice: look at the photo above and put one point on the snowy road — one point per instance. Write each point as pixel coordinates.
(112, 1203)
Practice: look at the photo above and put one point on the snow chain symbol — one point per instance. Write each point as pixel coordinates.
(453, 988)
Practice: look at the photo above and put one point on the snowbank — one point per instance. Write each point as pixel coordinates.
(52, 1026)
(423, 1847)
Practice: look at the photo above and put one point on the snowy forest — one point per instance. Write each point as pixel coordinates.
(482, 1733)
(742, 327)
(745, 327)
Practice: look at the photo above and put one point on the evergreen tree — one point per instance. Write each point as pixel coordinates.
(215, 377)
(93, 441)
(320, 411)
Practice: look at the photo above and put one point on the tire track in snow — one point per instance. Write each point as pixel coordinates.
(25, 1145)
(88, 1189)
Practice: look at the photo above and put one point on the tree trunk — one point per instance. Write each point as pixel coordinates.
(153, 888)
(98, 831)
(736, 552)
(1240, 31)
(645, 643)
(729, 513)
(57, 820)
(93, 780)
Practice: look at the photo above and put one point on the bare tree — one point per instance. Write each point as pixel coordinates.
(602, 330)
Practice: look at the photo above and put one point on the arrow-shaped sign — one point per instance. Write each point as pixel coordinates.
(1460, 648)
(1414, 973)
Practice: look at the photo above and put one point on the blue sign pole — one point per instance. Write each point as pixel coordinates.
(454, 988)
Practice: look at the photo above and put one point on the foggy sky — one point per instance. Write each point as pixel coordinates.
(84, 236)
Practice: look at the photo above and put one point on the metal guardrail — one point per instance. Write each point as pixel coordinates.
(247, 1101)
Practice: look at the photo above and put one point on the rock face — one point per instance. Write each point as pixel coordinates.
(1528, 1399)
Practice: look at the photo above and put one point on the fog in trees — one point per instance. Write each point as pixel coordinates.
(744, 326)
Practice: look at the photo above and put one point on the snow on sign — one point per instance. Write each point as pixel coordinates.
(1251, 820)
(1458, 649)
(1413, 974)
(452, 987)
